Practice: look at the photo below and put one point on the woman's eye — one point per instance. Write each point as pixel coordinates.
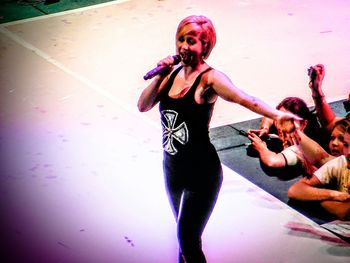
(191, 41)
(181, 39)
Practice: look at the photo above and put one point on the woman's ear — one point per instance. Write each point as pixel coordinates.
(205, 49)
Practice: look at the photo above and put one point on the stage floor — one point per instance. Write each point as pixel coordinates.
(81, 176)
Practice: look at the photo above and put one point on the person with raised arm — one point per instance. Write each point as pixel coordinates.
(329, 185)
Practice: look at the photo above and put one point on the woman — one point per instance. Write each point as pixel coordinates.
(186, 96)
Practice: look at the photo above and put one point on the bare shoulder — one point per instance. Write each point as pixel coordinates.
(219, 80)
(216, 75)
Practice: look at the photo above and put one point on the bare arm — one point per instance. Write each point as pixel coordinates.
(324, 112)
(340, 209)
(309, 190)
(269, 158)
(312, 150)
(149, 95)
(228, 91)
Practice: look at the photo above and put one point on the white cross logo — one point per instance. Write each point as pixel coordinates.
(170, 132)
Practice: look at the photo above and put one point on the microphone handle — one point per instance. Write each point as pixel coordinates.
(161, 69)
(154, 72)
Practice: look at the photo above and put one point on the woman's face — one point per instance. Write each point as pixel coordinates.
(336, 142)
(189, 45)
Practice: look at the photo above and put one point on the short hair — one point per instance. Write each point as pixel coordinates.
(295, 105)
(299, 107)
(207, 34)
(343, 124)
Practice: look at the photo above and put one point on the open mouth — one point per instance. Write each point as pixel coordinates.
(185, 57)
(335, 152)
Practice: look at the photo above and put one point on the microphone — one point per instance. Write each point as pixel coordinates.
(161, 69)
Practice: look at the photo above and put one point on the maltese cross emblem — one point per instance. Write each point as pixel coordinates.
(171, 133)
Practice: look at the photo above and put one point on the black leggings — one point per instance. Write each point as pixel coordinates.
(192, 205)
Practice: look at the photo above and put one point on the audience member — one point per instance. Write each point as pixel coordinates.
(314, 152)
(329, 185)
(287, 162)
(324, 112)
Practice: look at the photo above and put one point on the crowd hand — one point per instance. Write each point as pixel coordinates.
(287, 128)
(264, 132)
(340, 196)
(257, 143)
(314, 84)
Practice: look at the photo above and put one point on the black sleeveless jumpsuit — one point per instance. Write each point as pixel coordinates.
(192, 169)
